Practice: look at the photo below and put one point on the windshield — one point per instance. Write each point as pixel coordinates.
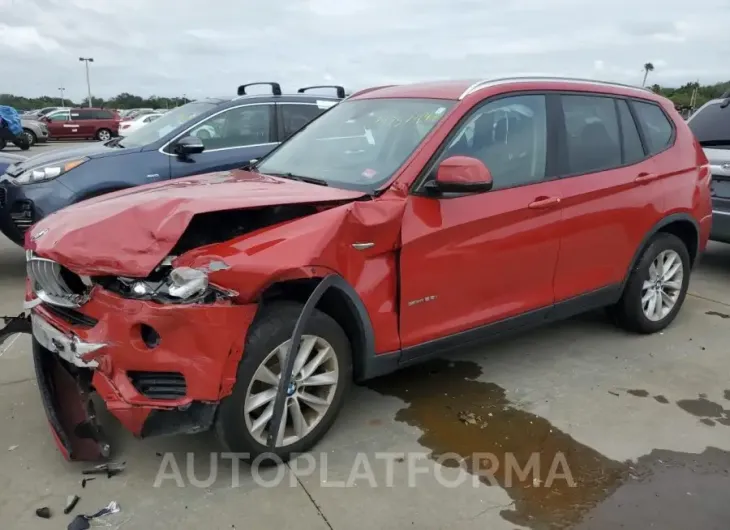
(358, 144)
(166, 124)
(711, 125)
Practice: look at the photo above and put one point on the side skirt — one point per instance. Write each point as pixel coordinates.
(386, 363)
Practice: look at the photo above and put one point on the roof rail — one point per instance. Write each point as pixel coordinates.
(494, 82)
(275, 87)
(340, 91)
(367, 90)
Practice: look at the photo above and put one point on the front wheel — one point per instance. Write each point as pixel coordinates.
(30, 136)
(656, 287)
(103, 135)
(322, 374)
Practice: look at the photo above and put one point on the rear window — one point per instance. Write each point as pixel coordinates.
(711, 125)
(81, 114)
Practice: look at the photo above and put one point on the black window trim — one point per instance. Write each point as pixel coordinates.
(427, 173)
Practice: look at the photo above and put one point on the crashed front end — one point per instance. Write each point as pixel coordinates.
(153, 350)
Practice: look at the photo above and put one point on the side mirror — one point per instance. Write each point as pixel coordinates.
(462, 174)
(189, 145)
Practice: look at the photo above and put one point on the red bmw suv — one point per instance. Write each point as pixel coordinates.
(402, 223)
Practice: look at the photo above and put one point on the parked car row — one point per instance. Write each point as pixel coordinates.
(359, 235)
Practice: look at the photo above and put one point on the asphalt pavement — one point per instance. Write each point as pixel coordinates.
(629, 431)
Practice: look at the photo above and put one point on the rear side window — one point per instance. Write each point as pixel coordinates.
(294, 117)
(711, 125)
(633, 150)
(82, 114)
(103, 115)
(592, 133)
(658, 130)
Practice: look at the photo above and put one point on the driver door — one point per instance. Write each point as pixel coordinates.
(59, 125)
(472, 260)
(232, 138)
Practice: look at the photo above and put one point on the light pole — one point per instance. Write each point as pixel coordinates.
(63, 101)
(87, 60)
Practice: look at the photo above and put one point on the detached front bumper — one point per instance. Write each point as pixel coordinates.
(160, 369)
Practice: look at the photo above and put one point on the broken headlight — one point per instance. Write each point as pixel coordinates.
(179, 285)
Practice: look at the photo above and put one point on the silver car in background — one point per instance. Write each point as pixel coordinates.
(711, 126)
(34, 130)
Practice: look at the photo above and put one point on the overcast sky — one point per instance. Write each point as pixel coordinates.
(209, 47)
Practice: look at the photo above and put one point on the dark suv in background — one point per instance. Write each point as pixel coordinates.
(199, 137)
(711, 126)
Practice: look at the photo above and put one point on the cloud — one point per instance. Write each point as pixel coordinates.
(170, 47)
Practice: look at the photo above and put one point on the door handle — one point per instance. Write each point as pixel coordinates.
(645, 178)
(544, 202)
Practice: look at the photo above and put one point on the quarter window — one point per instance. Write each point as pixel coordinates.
(657, 129)
(237, 127)
(592, 134)
(633, 150)
(294, 117)
(510, 136)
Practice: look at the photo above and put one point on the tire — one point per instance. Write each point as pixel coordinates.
(3, 143)
(272, 328)
(629, 313)
(30, 135)
(103, 135)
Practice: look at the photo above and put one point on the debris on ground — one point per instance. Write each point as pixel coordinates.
(109, 469)
(43, 513)
(469, 418)
(71, 502)
(12, 448)
(88, 479)
(81, 522)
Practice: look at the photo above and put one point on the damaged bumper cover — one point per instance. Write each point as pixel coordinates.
(159, 369)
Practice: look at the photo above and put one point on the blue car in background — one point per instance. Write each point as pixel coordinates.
(199, 137)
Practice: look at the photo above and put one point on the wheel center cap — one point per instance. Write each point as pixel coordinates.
(291, 389)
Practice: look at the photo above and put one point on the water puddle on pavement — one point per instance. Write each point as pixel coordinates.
(459, 414)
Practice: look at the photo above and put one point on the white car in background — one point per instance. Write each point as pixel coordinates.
(129, 126)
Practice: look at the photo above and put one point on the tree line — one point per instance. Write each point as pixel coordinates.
(682, 98)
(124, 100)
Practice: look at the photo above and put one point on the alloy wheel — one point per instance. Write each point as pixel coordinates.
(660, 292)
(313, 385)
(104, 135)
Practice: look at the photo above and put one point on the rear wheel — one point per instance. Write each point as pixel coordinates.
(103, 135)
(656, 288)
(322, 373)
(3, 143)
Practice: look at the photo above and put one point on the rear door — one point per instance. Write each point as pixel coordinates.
(610, 192)
(232, 138)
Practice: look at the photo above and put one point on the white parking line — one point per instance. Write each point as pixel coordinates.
(12, 341)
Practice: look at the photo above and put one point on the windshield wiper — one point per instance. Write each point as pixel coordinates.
(300, 178)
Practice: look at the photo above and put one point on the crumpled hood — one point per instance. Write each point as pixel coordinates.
(130, 232)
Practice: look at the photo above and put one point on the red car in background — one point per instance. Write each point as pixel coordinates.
(101, 124)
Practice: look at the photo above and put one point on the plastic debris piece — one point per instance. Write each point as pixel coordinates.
(80, 522)
(43, 513)
(12, 448)
(88, 479)
(109, 469)
(71, 502)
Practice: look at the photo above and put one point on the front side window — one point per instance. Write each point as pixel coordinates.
(236, 127)
(358, 144)
(167, 123)
(510, 136)
(59, 116)
(711, 126)
(592, 135)
(657, 129)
